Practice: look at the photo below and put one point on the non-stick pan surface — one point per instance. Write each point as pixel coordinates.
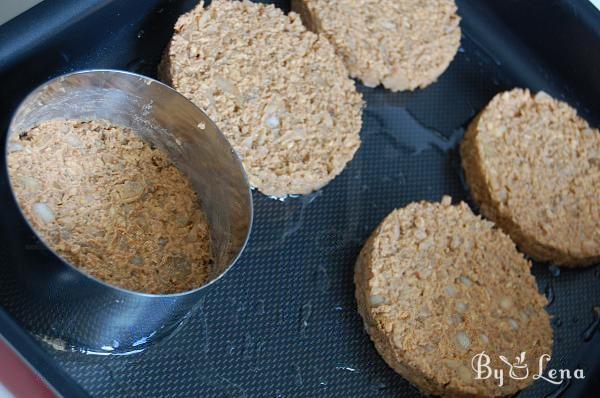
(283, 323)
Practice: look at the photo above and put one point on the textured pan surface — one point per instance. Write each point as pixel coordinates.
(283, 323)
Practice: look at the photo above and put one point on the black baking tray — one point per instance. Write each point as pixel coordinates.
(283, 322)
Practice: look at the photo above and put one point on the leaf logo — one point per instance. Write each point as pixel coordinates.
(520, 360)
(518, 370)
